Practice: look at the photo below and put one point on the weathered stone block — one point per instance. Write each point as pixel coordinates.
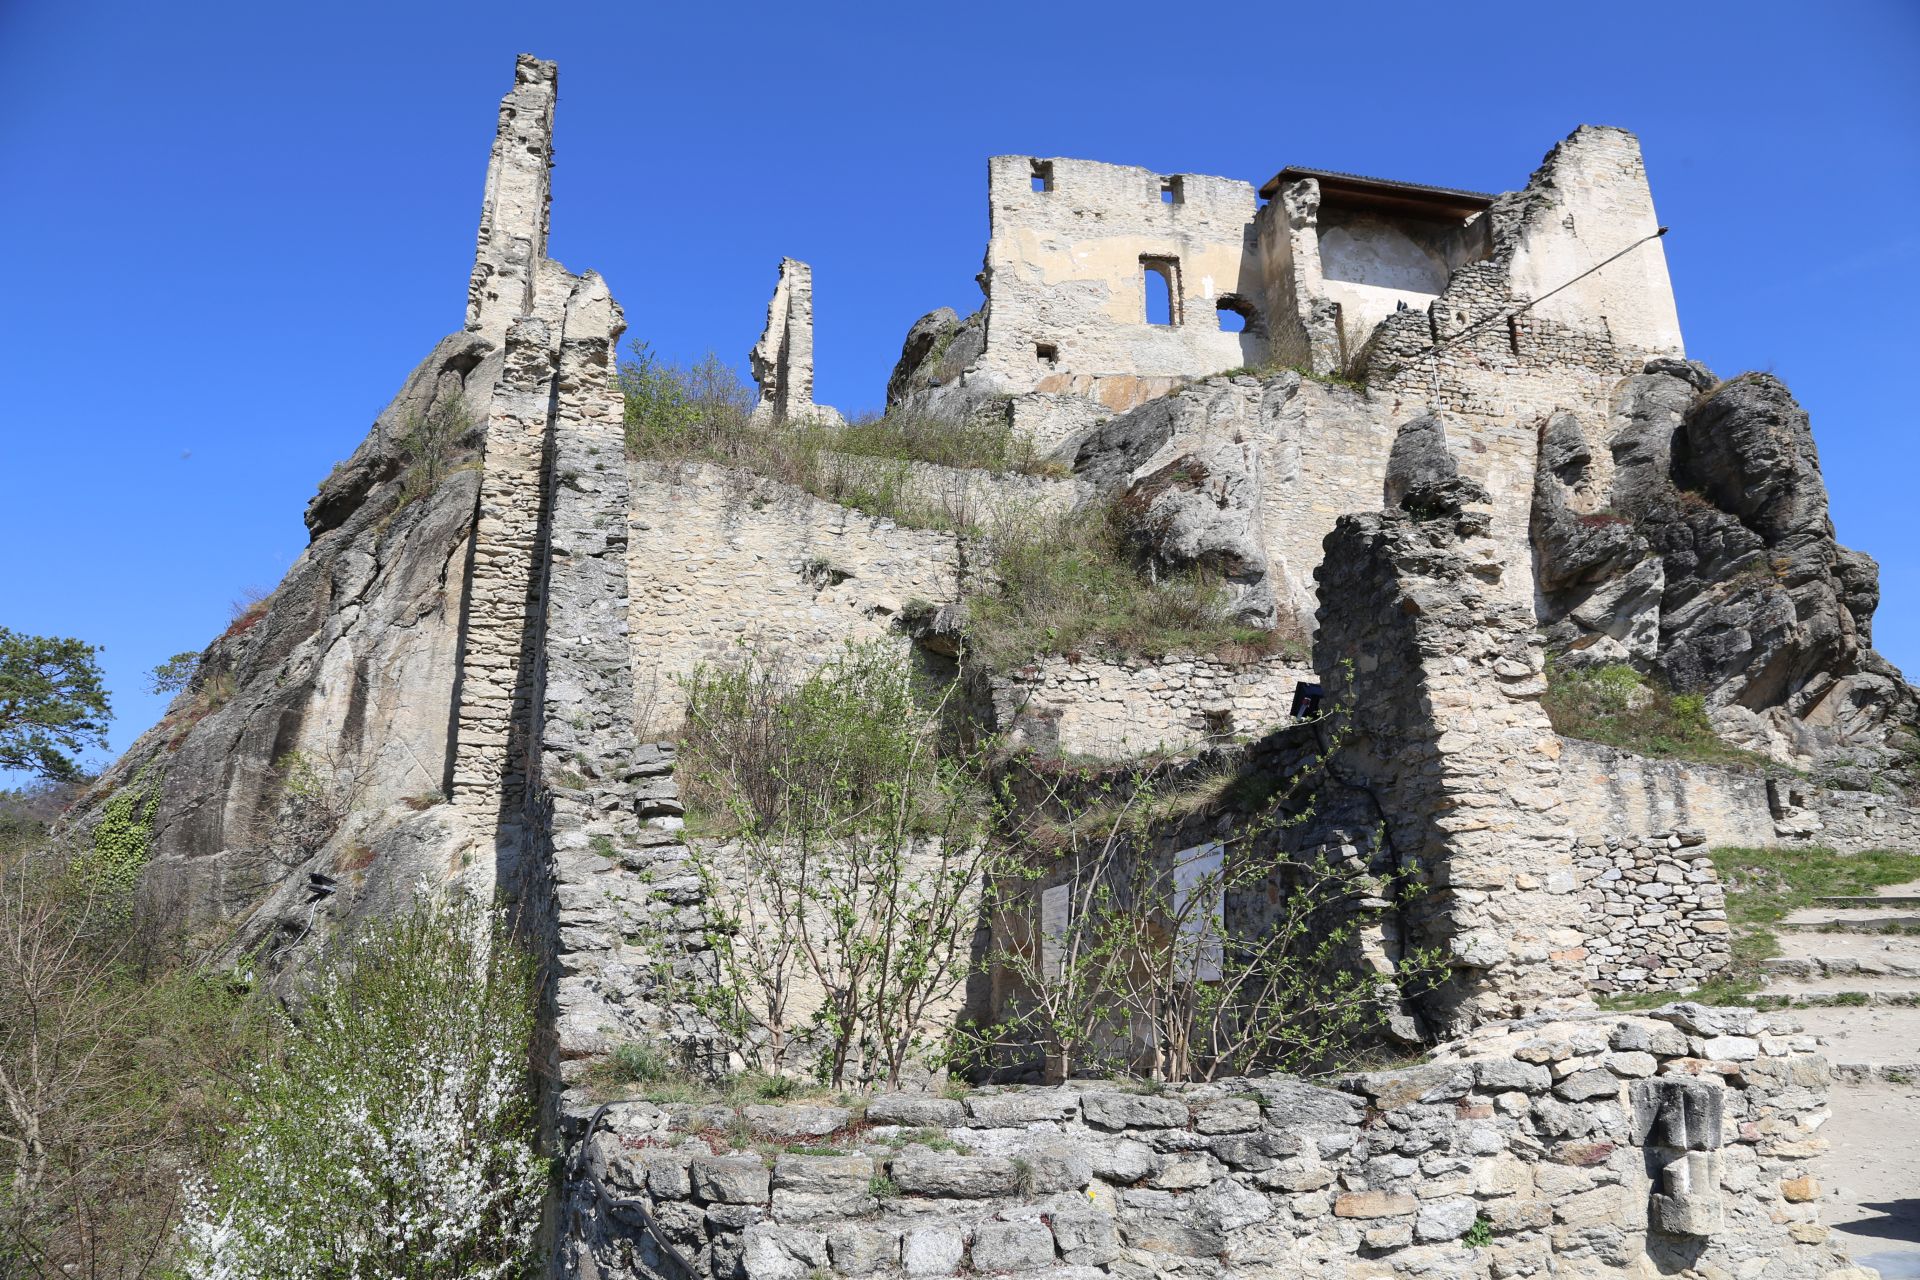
(1133, 1111)
(1374, 1204)
(1086, 1238)
(932, 1251)
(1586, 1086)
(1025, 1245)
(802, 1120)
(730, 1179)
(1120, 1160)
(1021, 1108)
(1445, 1219)
(960, 1177)
(916, 1110)
(1231, 1115)
(860, 1251)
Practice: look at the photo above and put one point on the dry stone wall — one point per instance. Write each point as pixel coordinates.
(1113, 710)
(1606, 1145)
(1654, 912)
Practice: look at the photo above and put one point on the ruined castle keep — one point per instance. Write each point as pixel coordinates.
(1433, 436)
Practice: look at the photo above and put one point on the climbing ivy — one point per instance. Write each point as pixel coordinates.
(111, 865)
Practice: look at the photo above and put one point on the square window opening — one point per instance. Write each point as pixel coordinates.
(1042, 177)
(1046, 353)
(1173, 190)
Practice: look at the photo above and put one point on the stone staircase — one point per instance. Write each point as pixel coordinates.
(1849, 969)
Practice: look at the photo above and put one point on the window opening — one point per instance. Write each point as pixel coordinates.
(1043, 175)
(1237, 315)
(1160, 277)
(1173, 190)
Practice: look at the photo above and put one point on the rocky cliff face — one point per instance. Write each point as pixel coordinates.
(1692, 539)
(315, 735)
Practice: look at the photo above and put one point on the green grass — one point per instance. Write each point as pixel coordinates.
(650, 1071)
(701, 413)
(1763, 887)
(1618, 707)
(1068, 582)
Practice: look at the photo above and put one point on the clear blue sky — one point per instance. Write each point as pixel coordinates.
(233, 228)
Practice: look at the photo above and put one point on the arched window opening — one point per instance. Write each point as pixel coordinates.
(1237, 315)
(1160, 278)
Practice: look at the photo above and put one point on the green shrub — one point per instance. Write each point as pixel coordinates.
(769, 744)
(429, 442)
(1619, 707)
(112, 863)
(393, 1134)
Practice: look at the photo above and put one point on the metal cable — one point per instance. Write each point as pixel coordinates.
(1481, 324)
(614, 1205)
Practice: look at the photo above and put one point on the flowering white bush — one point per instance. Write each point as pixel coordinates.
(393, 1136)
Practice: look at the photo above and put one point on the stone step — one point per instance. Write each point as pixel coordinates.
(1890, 1072)
(1872, 903)
(1839, 995)
(1831, 966)
(1849, 921)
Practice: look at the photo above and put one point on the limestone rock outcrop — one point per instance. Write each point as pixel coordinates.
(1692, 538)
(314, 735)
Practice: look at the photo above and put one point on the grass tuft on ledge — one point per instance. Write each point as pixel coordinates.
(1616, 706)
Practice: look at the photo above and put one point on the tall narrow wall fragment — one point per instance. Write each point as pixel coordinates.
(1443, 676)
(513, 212)
(782, 360)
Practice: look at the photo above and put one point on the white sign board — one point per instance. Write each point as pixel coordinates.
(1199, 905)
(1056, 912)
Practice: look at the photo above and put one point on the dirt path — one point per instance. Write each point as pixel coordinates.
(1853, 986)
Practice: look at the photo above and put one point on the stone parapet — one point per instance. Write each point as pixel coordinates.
(1085, 706)
(1605, 1145)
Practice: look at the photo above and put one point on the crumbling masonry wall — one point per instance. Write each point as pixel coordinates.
(1653, 910)
(1071, 244)
(719, 557)
(1443, 677)
(514, 208)
(782, 360)
(1475, 352)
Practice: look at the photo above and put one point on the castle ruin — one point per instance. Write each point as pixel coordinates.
(1431, 433)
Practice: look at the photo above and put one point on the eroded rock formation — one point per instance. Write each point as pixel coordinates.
(1691, 537)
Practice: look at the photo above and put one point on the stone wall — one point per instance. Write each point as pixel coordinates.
(514, 210)
(1612, 790)
(1608, 1145)
(1473, 351)
(718, 557)
(1115, 710)
(1653, 910)
(782, 360)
